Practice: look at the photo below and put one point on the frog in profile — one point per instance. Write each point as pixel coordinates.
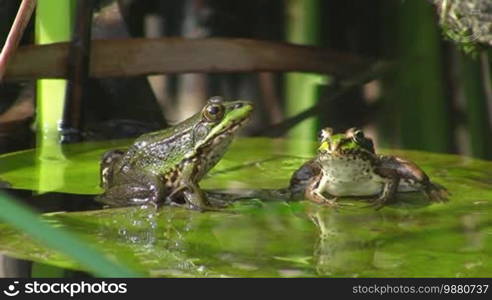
(166, 166)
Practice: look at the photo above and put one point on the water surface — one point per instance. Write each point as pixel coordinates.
(263, 238)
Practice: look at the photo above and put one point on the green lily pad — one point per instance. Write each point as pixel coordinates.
(253, 238)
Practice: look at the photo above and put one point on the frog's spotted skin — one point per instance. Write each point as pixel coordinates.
(347, 165)
(166, 166)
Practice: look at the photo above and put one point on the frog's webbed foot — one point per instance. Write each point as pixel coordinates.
(436, 192)
(191, 207)
(194, 198)
(319, 198)
(378, 203)
(331, 202)
(314, 192)
(219, 203)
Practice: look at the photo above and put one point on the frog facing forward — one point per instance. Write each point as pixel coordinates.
(346, 165)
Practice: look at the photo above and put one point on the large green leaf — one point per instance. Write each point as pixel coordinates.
(253, 238)
(24, 219)
(77, 174)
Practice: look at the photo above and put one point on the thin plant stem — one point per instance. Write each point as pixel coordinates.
(15, 34)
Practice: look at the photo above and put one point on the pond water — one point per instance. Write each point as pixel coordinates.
(261, 238)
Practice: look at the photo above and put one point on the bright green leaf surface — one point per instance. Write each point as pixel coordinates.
(409, 238)
(24, 219)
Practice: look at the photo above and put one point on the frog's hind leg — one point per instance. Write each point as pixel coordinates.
(106, 167)
(413, 176)
(128, 195)
(302, 177)
(388, 193)
(436, 192)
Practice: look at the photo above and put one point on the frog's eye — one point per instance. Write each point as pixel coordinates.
(324, 134)
(359, 135)
(216, 99)
(363, 141)
(213, 112)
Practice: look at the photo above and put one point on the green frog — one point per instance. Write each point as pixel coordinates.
(166, 166)
(347, 165)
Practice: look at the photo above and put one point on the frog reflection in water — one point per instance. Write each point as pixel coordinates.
(166, 166)
(347, 165)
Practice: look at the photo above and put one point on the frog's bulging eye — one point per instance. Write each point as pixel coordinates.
(359, 135)
(216, 99)
(325, 134)
(213, 112)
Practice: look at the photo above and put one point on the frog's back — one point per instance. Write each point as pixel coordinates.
(159, 152)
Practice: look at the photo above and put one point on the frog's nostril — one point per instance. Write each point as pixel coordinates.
(238, 105)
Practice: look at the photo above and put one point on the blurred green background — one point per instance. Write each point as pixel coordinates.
(436, 97)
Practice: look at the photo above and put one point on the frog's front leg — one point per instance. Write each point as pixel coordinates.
(306, 182)
(411, 176)
(314, 192)
(191, 192)
(195, 197)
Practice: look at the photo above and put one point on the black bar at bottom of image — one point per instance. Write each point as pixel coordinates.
(352, 288)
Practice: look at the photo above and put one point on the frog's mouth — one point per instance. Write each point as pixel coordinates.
(236, 125)
(229, 125)
(349, 154)
(229, 130)
(214, 147)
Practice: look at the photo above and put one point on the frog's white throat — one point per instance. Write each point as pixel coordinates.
(354, 176)
(350, 176)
